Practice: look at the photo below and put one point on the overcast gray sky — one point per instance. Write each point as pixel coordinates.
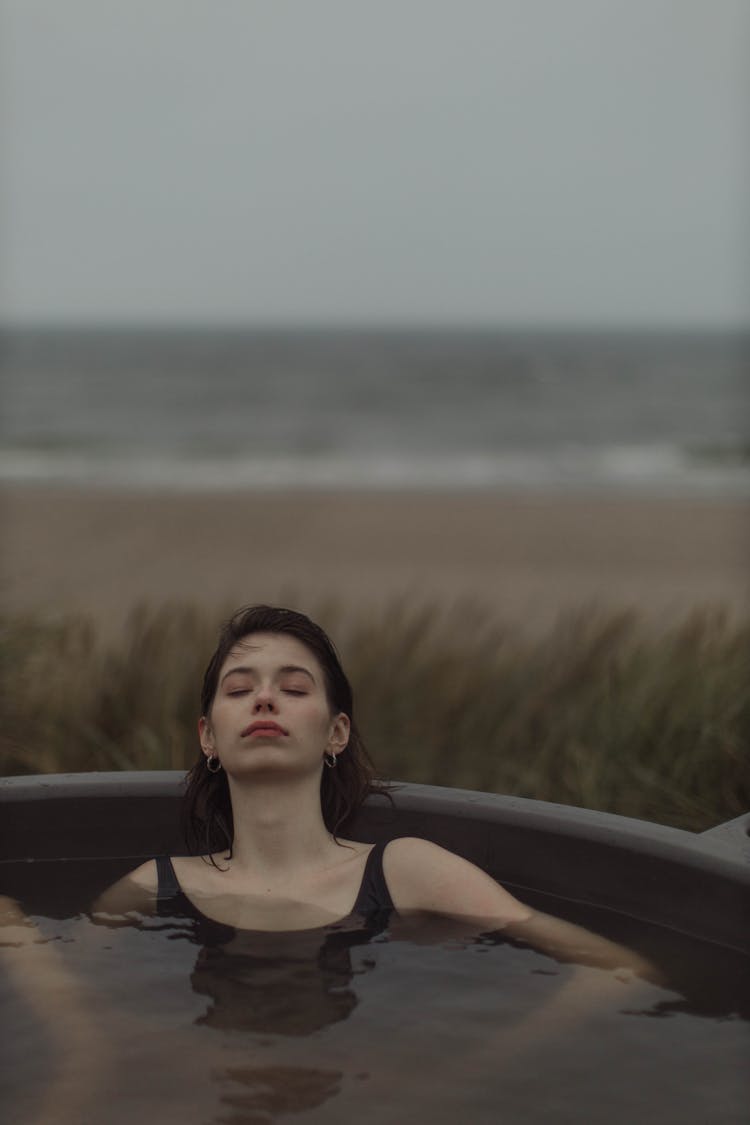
(498, 162)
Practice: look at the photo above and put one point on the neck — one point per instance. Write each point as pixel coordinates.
(278, 824)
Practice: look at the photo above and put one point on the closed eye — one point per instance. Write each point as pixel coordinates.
(293, 691)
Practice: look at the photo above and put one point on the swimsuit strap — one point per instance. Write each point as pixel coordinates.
(168, 886)
(373, 892)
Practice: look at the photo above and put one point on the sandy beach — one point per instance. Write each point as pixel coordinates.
(528, 557)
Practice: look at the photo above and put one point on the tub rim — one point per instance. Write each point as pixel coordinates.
(696, 883)
(727, 842)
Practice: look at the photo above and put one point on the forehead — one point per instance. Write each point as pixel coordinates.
(270, 650)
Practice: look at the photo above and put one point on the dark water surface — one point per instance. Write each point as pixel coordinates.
(158, 1022)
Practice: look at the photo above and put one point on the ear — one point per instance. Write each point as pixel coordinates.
(339, 736)
(206, 735)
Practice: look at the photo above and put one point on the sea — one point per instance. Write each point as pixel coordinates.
(209, 409)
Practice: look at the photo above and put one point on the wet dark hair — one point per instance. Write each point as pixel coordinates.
(207, 809)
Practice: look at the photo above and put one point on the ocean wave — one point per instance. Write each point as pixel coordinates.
(655, 468)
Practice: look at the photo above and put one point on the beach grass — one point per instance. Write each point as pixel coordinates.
(601, 711)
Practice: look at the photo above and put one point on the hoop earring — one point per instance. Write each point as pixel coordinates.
(216, 766)
(330, 760)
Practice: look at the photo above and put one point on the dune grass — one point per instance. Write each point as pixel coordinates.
(602, 711)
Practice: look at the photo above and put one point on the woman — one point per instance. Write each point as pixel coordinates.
(281, 772)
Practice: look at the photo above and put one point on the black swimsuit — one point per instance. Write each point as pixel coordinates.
(373, 903)
(290, 983)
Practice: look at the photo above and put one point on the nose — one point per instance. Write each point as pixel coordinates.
(265, 700)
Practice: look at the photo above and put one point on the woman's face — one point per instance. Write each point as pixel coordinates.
(271, 710)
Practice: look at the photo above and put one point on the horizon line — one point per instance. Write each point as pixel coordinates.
(541, 327)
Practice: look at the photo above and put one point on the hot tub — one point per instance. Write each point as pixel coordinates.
(387, 1029)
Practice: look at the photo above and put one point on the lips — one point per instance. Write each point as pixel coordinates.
(263, 727)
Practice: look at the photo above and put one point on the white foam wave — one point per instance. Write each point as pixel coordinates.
(635, 468)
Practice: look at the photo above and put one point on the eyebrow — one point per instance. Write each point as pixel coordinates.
(284, 670)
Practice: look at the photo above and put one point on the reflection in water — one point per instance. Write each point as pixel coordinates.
(300, 987)
(272, 1090)
(276, 984)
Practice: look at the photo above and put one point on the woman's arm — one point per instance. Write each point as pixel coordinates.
(465, 900)
(134, 893)
(68, 1014)
(422, 876)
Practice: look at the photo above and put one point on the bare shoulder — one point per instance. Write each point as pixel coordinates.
(422, 875)
(144, 876)
(136, 891)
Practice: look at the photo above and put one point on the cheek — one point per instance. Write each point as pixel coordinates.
(216, 717)
(319, 716)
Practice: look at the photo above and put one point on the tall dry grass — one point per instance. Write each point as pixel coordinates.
(601, 711)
